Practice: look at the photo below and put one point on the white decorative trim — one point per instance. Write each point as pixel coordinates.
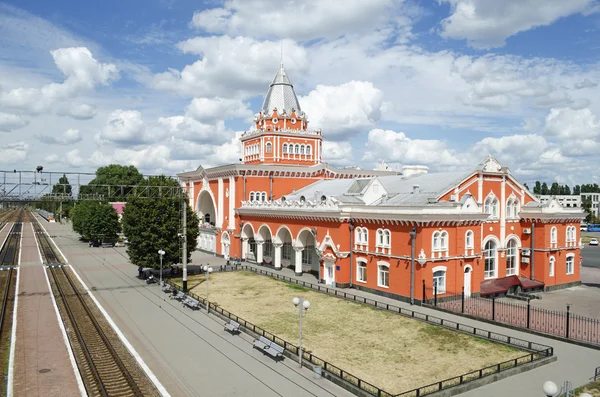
(439, 268)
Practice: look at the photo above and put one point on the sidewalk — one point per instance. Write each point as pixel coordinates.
(575, 363)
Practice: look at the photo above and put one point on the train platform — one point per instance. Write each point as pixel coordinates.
(4, 232)
(188, 351)
(42, 365)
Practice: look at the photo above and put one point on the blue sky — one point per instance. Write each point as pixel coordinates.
(167, 85)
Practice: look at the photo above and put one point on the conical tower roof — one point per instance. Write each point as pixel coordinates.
(281, 95)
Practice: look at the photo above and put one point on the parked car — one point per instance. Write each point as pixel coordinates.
(594, 241)
(583, 228)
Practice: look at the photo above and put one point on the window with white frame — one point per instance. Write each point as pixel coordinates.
(490, 206)
(308, 149)
(302, 149)
(251, 196)
(361, 239)
(383, 274)
(263, 196)
(512, 208)
(440, 244)
(571, 236)
(512, 257)
(551, 263)
(285, 148)
(469, 242)
(296, 149)
(491, 259)
(553, 237)
(269, 147)
(570, 263)
(361, 270)
(439, 279)
(364, 236)
(384, 241)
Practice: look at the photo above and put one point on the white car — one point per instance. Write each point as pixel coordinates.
(594, 241)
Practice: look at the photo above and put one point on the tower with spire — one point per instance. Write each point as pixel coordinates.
(281, 134)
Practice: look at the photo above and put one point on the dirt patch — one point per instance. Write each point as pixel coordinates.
(390, 351)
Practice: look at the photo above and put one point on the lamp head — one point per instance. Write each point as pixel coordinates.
(161, 252)
(210, 269)
(306, 305)
(550, 388)
(296, 301)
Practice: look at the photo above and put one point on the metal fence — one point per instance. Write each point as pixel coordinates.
(536, 351)
(524, 315)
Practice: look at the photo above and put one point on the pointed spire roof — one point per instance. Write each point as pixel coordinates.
(281, 95)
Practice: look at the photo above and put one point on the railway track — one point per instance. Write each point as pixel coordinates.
(105, 365)
(9, 258)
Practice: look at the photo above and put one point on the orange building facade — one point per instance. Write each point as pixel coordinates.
(378, 230)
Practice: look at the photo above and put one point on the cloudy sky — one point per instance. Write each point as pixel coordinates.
(167, 85)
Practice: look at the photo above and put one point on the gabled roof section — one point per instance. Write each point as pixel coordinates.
(281, 95)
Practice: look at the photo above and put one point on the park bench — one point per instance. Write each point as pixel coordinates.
(269, 347)
(180, 295)
(233, 327)
(167, 288)
(191, 303)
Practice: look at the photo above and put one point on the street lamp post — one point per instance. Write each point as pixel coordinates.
(551, 390)
(208, 270)
(161, 253)
(301, 304)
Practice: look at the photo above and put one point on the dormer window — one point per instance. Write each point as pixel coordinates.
(275, 120)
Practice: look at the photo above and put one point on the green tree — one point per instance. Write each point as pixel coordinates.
(567, 190)
(526, 187)
(577, 190)
(151, 224)
(544, 189)
(537, 189)
(113, 182)
(95, 221)
(554, 189)
(63, 187)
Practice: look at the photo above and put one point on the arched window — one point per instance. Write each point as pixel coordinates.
(379, 242)
(491, 259)
(263, 196)
(361, 270)
(490, 206)
(302, 149)
(440, 244)
(387, 239)
(511, 258)
(308, 149)
(439, 279)
(469, 242)
(251, 196)
(296, 149)
(384, 241)
(570, 263)
(365, 236)
(571, 236)
(383, 274)
(553, 237)
(269, 147)
(551, 263)
(285, 148)
(357, 236)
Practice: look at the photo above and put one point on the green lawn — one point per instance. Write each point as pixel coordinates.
(390, 351)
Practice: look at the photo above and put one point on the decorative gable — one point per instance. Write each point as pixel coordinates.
(491, 165)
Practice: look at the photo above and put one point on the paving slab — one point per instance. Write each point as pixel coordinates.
(42, 366)
(188, 351)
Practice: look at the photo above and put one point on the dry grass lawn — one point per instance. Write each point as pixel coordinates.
(390, 351)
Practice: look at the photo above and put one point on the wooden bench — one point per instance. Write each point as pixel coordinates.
(191, 303)
(269, 347)
(167, 289)
(233, 327)
(180, 295)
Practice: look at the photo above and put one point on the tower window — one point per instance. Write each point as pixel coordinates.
(308, 147)
(285, 148)
(269, 147)
(302, 149)
(296, 149)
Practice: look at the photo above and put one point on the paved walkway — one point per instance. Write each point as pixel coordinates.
(189, 352)
(42, 365)
(574, 363)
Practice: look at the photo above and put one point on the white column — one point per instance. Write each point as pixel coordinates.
(219, 214)
(277, 260)
(231, 219)
(503, 212)
(259, 251)
(480, 189)
(191, 196)
(298, 260)
(244, 247)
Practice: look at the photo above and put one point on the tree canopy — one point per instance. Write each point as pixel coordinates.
(113, 175)
(95, 221)
(63, 186)
(152, 224)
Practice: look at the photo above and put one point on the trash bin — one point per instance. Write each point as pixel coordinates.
(318, 371)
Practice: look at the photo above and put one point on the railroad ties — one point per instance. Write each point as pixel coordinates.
(9, 260)
(106, 366)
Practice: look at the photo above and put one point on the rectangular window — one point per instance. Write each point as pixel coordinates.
(439, 280)
(286, 251)
(268, 248)
(307, 255)
(361, 272)
(570, 264)
(384, 276)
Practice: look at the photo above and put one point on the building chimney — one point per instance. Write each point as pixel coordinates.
(415, 189)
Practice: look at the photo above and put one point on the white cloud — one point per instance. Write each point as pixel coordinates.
(10, 122)
(570, 125)
(186, 128)
(69, 137)
(211, 110)
(80, 111)
(488, 24)
(512, 150)
(124, 128)
(338, 153)
(345, 110)
(238, 67)
(82, 73)
(12, 153)
(302, 21)
(396, 147)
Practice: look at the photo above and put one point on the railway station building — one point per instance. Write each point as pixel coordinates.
(282, 206)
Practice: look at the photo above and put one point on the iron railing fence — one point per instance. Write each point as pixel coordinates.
(563, 324)
(536, 351)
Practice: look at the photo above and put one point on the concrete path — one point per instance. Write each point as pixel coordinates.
(189, 352)
(574, 363)
(42, 366)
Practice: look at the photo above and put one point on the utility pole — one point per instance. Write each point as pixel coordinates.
(184, 239)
